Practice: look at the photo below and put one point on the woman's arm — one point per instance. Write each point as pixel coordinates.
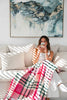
(35, 57)
(50, 57)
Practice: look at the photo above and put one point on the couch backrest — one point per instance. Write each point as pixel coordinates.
(62, 48)
(28, 53)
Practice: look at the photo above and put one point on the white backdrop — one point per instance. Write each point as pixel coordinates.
(5, 28)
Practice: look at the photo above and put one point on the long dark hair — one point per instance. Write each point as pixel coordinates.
(47, 39)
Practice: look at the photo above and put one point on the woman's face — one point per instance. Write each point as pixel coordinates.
(43, 40)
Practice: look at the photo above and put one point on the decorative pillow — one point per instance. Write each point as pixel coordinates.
(12, 61)
(55, 49)
(27, 52)
(65, 68)
(15, 48)
(28, 57)
(4, 48)
(62, 48)
(61, 60)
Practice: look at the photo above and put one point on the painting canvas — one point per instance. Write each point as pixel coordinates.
(34, 18)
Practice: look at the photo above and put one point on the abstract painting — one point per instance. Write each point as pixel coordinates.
(34, 18)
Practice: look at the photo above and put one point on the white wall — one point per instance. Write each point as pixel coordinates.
(5, 28)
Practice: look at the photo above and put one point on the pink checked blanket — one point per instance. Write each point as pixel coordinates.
(33, 83)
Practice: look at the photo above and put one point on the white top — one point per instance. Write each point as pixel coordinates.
(42, 56)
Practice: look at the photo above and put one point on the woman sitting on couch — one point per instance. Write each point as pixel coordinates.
(42, 53)
(33, 83)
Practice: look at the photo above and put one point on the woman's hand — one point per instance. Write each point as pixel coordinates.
(42, 49)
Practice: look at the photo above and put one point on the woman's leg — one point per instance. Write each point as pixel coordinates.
(59, 82)
(62, 87)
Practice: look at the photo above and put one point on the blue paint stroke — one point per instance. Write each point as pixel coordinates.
(40, 12)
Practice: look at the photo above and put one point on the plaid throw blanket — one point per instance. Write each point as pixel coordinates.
(33, 83)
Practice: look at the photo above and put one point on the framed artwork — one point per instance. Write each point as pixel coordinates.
(34, 18)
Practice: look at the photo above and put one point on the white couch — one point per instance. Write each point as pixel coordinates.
(12, 55)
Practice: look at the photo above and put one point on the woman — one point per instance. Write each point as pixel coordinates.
(43, 52)
(33, 83)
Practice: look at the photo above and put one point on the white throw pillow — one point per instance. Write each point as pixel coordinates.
(28, 57)
(61, 60)
(12, 61)
(4, 48)
(55, 49)
(62, 48)
(16, 48)
(27, 52)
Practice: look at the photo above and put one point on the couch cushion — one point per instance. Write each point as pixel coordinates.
(4, 86)
(8, 75)
(60, 60)
(12, 61)
(63, 76)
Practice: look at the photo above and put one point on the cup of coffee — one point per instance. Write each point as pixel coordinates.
(42, 44)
